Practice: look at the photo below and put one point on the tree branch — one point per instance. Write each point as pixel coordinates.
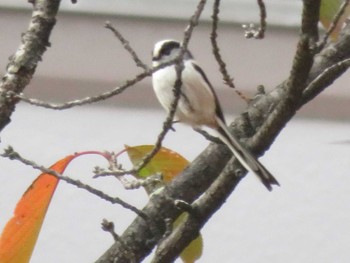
(23, 63)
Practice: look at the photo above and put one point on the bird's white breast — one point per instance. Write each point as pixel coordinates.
(196, 105)
(163, 82)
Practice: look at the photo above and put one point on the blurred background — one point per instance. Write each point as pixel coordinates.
(310, 158)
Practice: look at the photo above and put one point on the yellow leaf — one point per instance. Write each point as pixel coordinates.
(166, 161)
(170, 164)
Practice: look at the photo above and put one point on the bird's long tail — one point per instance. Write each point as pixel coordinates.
(247, 160)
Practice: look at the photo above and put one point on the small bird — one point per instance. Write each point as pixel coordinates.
(198, 104)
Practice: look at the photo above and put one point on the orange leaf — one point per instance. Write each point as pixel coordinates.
(19, 236)
(166, 161)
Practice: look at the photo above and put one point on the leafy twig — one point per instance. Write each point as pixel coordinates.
(13, 155)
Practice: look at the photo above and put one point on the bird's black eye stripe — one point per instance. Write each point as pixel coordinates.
(168, 47)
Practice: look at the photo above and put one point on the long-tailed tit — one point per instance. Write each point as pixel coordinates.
(198, 104)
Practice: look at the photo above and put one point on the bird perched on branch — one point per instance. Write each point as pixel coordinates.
(198, 104)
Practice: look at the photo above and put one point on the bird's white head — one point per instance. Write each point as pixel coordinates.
(166, 50)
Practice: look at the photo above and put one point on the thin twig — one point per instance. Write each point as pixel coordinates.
(208, 136)
(326, 76)
(13, 155)
(126, 45)
(93, 99)
(228, 80)
(262, 29)
(333, 25)
(193, 23)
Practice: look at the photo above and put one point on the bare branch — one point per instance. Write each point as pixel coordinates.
(88, 100)
(127, 46)
(324, 79)
(208, 136)
(228, 80)
(262, 29)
